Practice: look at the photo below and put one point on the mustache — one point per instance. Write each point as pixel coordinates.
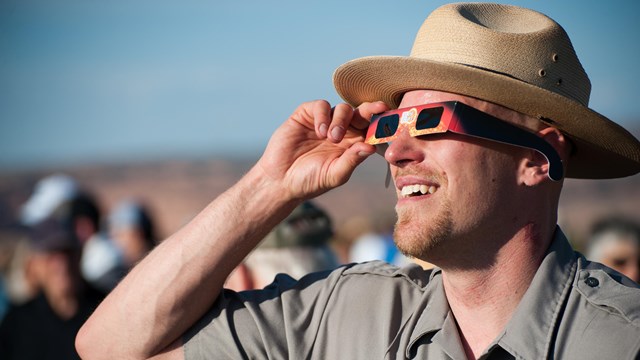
(429, 175)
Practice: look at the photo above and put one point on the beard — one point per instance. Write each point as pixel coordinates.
(417, 237)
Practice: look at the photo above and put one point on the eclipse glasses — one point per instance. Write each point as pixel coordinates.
(462, 119)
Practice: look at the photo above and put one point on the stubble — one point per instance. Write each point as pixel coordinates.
(418, 236)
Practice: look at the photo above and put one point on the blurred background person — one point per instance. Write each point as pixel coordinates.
(101, 263)
(15, 286)
(299, 245)
(377, 243)
(132, 229)
(615, 242)
(45, 326)
(6, 253)
(61, 196)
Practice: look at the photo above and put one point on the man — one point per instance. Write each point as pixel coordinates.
(615, 242)
(299, 245)
(507, 283)
(61, 196)
(45, 327)
(132, 230)
(101, 262)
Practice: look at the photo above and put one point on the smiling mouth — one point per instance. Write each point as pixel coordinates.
(417, 190)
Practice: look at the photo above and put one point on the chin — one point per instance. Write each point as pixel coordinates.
(419, 236)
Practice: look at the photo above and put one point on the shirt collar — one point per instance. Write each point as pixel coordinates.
(436, 321)
(530, 330)
(437, 308)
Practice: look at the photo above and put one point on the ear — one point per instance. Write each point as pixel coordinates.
(534, 168)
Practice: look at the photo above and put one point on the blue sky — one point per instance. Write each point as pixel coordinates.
(92, 81)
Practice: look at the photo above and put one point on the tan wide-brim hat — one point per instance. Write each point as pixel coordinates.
(511, 56)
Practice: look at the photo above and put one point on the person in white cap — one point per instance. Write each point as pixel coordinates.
(132, 229)
(60, 195)
(49, 192)
(493, 114)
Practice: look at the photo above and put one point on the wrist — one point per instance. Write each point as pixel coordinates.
(264, 191)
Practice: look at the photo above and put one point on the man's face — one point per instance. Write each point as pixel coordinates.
(623, 255)
(453, 190)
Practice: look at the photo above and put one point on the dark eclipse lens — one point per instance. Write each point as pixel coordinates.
(387, 126)
(429, 118)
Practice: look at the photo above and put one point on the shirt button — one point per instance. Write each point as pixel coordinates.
(592, 282)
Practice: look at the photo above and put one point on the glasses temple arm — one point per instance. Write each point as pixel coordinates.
(485, 126)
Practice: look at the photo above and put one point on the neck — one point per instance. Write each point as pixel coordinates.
(483, 298)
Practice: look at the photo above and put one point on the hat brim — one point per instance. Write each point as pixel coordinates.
(602, 148)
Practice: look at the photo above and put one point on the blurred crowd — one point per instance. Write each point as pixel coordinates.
(65, 252)
(59, 260)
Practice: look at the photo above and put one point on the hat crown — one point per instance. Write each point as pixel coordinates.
(506, 55)
(512, 41)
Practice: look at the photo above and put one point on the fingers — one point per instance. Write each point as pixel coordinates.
(321, 113)
(340, 120)
(332, 123)
(364, 112)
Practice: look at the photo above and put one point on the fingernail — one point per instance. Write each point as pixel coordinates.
(323, 130)
(337, 133)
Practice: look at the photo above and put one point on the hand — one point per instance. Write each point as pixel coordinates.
(318, 147)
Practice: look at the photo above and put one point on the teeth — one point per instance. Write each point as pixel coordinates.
(417, 189)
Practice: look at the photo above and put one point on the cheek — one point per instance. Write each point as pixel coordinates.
(478, 177)
(38, 270)
(464, 169)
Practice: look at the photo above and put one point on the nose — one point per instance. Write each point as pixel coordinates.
(405, 150)
(60, 262)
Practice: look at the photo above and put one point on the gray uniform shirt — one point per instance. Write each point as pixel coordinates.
(573, 309)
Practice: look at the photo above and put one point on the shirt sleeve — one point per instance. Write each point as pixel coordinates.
(279, 321)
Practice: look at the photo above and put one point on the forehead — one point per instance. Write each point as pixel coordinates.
(621, 250)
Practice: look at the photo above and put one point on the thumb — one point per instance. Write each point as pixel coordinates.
(348, 161)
